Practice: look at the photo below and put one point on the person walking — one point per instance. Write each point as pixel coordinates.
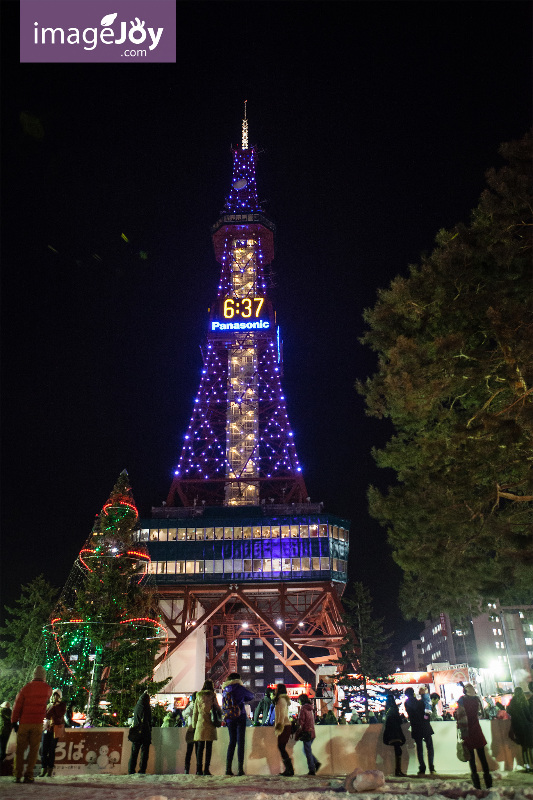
(522, 726)
(189, 733)
(55, 729)
(264, 712)
(29, 711)
(421, 730)
(468, 710)
(205, 732)
(5, 728)
(306, 732)
(142, 718)
(234, 696)
(282, 727)
(393, 734)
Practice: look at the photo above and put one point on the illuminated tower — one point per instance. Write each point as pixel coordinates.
(239, 448)
(239, 553)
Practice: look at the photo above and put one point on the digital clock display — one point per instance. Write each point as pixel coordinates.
(241, 313)
(242, 307)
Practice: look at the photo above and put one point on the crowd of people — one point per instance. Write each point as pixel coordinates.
(39, 716)
(203, 716)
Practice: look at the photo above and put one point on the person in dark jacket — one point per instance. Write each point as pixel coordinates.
(29, 711)
(234, 696)
(421, 730)
(522, 725)
(55, 727)
(306, 732)
(468, 710)
(69, 722)
(142, 716)
(264, 712)
(393, 734)
(5, 728)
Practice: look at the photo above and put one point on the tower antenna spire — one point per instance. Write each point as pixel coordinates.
(245, 129)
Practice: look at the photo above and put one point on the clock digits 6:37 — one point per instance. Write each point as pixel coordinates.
(244, 307)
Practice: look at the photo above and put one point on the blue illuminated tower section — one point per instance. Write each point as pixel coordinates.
(239, 448)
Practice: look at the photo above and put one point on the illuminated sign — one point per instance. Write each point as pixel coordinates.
(240, 326)
(234, 313)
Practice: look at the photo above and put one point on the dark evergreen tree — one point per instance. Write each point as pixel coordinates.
(22, 645)
(365, 655)
(455, 376)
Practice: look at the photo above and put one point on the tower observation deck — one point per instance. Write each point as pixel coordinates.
(239, 550)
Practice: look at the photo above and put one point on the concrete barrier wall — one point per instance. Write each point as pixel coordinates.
(340, 748)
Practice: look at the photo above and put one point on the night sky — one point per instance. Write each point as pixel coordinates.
(377, 122)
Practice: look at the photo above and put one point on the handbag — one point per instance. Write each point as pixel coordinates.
(11, 745)
(303, 736)
(189, 735)
(462, 751)
(59, 731)
(134, 734)
(216, 715)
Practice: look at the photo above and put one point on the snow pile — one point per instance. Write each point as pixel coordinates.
(364, 780)
(510, 786)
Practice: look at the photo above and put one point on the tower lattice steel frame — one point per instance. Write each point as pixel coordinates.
(239, 548)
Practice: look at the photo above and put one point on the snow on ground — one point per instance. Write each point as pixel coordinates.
(516, 785)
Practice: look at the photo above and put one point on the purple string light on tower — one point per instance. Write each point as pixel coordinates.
(239, 448)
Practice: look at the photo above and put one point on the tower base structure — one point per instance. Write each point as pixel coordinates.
(270, 574)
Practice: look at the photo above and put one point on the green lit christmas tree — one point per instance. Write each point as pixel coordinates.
(104, 635)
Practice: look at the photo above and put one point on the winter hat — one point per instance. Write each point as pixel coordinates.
(39, 674)
(469, 689)
(5, 704)
(59, 692)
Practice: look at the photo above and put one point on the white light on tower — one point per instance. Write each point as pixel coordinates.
(245, 129)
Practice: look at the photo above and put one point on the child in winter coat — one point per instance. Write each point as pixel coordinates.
(282, 727)
(306, 732)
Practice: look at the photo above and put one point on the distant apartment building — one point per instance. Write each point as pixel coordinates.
(259, 666)
(500, 641)
(412, 659)
(504, 641)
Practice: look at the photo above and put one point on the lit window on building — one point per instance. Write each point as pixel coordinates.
(259, 654)
(245, 668)
(278, 667)
(259, 668)
(245, 656)
(259, 682)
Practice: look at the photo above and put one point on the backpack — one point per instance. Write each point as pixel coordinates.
(230, 708)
